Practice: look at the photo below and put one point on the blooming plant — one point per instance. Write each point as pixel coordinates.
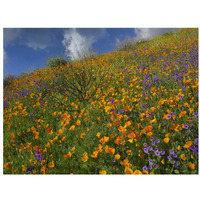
(133, 111)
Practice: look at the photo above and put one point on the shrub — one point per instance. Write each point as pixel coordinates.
(8, 80)
(55, 62)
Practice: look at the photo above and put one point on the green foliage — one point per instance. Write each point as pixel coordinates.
(8, 80)
(82, 82)
(55, 62)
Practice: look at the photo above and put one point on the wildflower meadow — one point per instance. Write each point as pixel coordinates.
(131, 111)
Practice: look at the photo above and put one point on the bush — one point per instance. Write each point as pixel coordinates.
(8, 80)
(55, 62)
(125, 45)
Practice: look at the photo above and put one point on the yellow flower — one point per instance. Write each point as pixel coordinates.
(73, 148)
(163, 161)
(128, 152)
(127, 124)
(109, 150)
(166, 140)
(126, 163)
(191, 166)
(122, 129)
(107, 108)
(104, 139)
(8, 165)
(142, 115)
(43, 170)
(117, 156)
(78, 122)
(98, 134)
(150, 134)
(60, 132)
(85, 157)
(102, 172)
(72, 128)
(128, 170)
(51, 164)
(137, 172)
(95, 154)
(24, 167)
(83, 135)
(68, 155)
(188, 144)
(167, 135)
(183, 157)
(47, 145)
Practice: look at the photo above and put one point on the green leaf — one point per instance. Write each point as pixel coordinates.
(176, 171)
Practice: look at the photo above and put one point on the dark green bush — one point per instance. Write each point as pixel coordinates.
(8, 80)
(55, 62)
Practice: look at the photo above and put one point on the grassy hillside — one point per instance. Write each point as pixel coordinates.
(133, 111)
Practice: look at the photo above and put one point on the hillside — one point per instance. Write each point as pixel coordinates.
(133, 111)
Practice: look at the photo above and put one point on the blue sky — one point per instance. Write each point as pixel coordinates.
(26, 49)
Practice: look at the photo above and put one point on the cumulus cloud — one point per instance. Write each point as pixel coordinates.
(35, 38)
(149, 33)
(78, 41)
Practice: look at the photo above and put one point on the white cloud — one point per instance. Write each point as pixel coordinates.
(35, 38)
(149, 33)
(78, 41)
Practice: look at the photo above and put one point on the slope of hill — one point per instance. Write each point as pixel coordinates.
(132, 112)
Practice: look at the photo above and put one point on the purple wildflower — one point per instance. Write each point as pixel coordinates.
(39, 157)
(37, 153)
(153, 143)
(169, 116)
(195, 114)
(193, 148)
(146, 150)
(169, 157)
(150, 167)
(157, 153)
(157, 141)
(145, 168)
(113, 160)
(150, 148)
(175, 155)
(152, 139)
(162, 152)
(196, 140)
(29, 169)
(175, 164)
(145, 144)
(112, 101)
(150, 161)
(186, 126)
(171, 151)
(155, 165)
